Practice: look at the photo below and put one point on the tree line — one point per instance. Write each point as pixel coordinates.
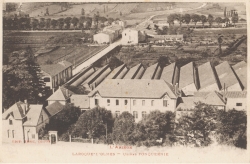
(197, 128)
(27, 23)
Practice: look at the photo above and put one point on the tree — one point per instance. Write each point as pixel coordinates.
(42, 23)
(110, 20)
(123, 128)
(60, 23)
(195, 18)
(81, 22)
(198, 125)
(171, 18)
(225, 12)
(210, 20)
(180, 18)
(34, 24)
(47, 23)
(47, 11)
(67, 22)
(234, 19)
(64, 119)
(187, 19)
(75, 21)
(203, 20)
(93, 123)
(120, 13)
(218, 20)
(220, 40)
(163, 61)
(114, 62)
(82, 12)
(54, 23)
(232, 125)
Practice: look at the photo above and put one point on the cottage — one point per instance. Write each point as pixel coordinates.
(136, 96)
(133, 36)
(235, 100)
(227, 78)
(207, 78)
(22, 122)
(104, 37)
(55, 75)
(188, 79)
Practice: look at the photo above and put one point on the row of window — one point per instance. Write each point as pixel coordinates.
(135, 114)
(117, 102)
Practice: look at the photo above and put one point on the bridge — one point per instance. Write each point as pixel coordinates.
(96, 57)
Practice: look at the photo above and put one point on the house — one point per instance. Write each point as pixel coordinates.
(81, 101)
(150, 71)
(207, 78)
(104, 37)
(227, 78)
(55, 75)
(115, 29)
(136, 96)
(135, 72)
(61, 95)
(123, 24)
(186, 105)
(240, 69)
(22, 122)
(188, 79)
(133, 36)
(235, 99)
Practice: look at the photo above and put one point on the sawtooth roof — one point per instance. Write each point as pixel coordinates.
(241, 71)
(186, 75)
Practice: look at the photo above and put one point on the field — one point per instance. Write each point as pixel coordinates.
(84, 152)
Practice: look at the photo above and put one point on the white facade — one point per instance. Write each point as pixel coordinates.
(101, 38)
(236, 103)
(135, 106)
(130, 36)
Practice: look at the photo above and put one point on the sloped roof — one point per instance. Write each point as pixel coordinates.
(168, 73)
(150, 72)
(188, 102)
(234, 94)
(186, 75)
(60, 94)
(226, 75)
(241, 71)
(54, 69)
(33, 115)
(133, 88)
(16, 110)
(116, 72)
(80, 100)
(206, 75)
(95, 75)
(54, 108)
(131, 73)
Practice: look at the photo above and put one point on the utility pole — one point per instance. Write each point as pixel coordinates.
(106, 131)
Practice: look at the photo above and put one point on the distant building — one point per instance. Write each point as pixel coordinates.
(55, 75)
(123, 24)
(61, 95)
(104, 37)
(133, 36)
(169, 37)
(115, 29)
(235, 100)
(136, 96)
(22, 122)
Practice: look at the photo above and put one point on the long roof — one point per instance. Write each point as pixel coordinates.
(61, 94)
(16, 110)
(168, 73)
(150, 72)
(116, 72)
(33, 115)
(186, 75)
(54, 108)
(241, 71)
(134, 88)
(226, 75)
(54, 69)
(131, 73)
(234, 94)
(206, 75)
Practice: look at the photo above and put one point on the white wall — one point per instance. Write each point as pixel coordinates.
(30, 134)
(231, 103)
(101, 38)
(48, 84)
(17, 127)
(130, 37)
(212, 87)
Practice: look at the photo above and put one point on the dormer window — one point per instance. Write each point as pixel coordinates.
(10, 122)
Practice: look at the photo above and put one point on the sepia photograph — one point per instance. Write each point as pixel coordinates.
(139, 81)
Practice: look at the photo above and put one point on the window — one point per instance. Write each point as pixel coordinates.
(134, 102)
(96, 102)
(117, 113)
(8, 132)
(165, 103)
(152, 102)
(135, 114)
(46, 79)
(13, 133)
(143, 102)
(238, 104)
(117, 102)
(143, 114)
(126, 102)
(33, 136)
(108, 102)
(10, 122)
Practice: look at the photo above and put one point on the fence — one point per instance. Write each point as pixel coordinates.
(86, 140)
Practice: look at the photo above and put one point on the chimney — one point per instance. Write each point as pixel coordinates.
(67, 92)
(26, 106)
(176, 88)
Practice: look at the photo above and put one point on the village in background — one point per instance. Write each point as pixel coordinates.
(141, 74)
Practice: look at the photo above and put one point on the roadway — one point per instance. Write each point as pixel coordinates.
(96, 57)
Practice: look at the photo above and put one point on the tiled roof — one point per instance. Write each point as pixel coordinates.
(133, 88)
(54, 69)
(95, 75)
(168, 73)
(186, 75)
(241, 72)
(81, 101)
(206, 75)
(33, 115)
(234, 94)
(116, 72)
(54, 108)
(226, 75)
(17, 110)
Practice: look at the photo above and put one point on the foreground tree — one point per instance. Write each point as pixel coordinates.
(197, 126)
(123, 128)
